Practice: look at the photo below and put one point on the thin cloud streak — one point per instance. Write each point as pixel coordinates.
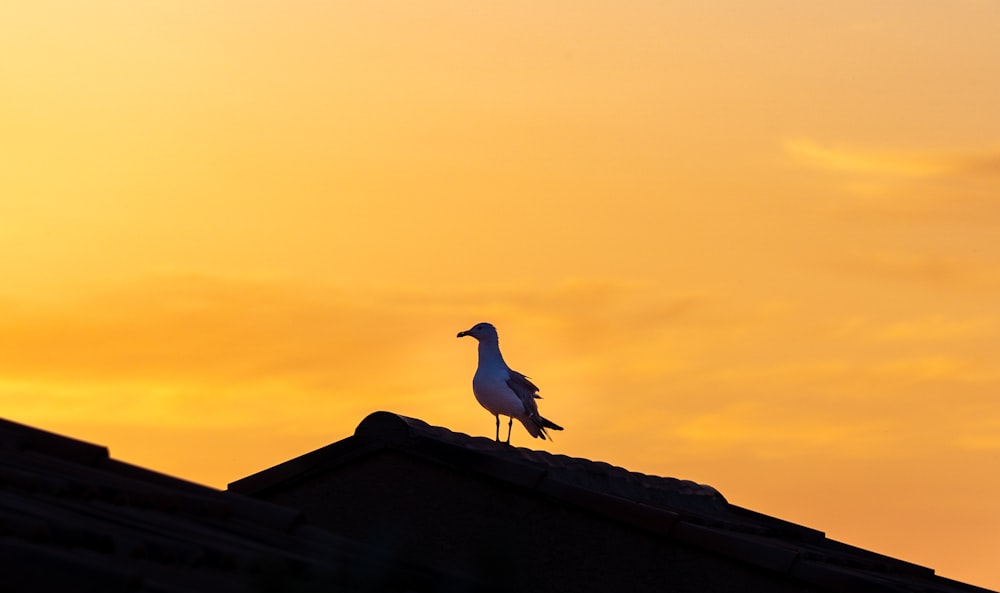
(901, 164)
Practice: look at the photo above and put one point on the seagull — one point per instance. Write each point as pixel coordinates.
(502, 390)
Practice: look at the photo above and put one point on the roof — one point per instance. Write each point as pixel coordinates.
(680, 511)
(74, 519)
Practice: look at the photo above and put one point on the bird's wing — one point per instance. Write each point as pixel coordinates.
(525, 390)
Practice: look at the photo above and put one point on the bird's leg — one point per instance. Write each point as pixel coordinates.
(498, 427)
(509, 426)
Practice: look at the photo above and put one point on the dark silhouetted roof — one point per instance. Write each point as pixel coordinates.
(678, 511)
(74, 519)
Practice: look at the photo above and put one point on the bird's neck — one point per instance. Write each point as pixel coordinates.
(489, 350)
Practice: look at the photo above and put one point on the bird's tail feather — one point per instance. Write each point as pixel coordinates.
(537, 427)
(546, 423)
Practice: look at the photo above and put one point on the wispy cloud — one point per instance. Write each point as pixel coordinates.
(905, 185)
(813, 154)
(894, 163)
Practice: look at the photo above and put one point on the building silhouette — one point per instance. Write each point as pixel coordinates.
(404, 506)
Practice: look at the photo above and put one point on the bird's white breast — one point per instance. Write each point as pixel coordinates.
(490, 387)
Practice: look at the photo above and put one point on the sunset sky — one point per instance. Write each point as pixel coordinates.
(751, 244)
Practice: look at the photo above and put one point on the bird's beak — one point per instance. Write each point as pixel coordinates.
(460, 334)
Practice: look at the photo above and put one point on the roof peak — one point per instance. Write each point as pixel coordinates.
(527, 467)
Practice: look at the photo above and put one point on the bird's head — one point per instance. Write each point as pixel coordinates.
(481, 331)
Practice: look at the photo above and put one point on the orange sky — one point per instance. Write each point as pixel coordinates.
(748, 244)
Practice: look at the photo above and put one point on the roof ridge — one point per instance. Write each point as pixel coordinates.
(14, 435)
(578, 471)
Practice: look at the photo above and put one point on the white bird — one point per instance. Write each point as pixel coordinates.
(502, 390)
